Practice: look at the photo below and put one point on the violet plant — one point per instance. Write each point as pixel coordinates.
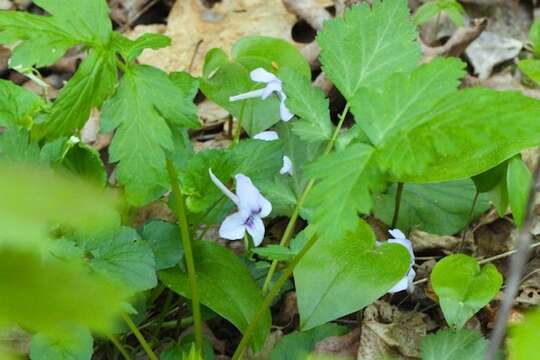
(406, 129)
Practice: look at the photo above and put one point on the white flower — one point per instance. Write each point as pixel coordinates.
(287, 167)
(252, 207)
(74, 140)
(406, 282)
(266, 136)
(273, 84)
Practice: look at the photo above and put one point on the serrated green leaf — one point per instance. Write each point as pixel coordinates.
(454, 345)
(343, 189)
(531, 68)
(367, 45)
(145, 107)
(252, 51)
(74, 344)
(425, 13)
(463, 135)
(298, 344)
(335, 266)
(184, 81)
(45, 39)
(16, 147)
(17, 105)
(126, 259)
(402, 97)
(463, 287)
(131, 49)
(49, 295)
(165, 241)
(309, 104)
(440, 208)
(518, 182)
(225, 286)
(91, 84)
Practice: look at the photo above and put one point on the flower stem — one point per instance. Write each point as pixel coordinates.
(469, 219)
(292, 221)
(397, 205)
(140, 337)
(120, 347)
(267, 301)
(188, 252)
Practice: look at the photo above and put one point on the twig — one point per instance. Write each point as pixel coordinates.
(517, 266)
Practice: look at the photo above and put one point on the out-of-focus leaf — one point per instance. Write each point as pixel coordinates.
(17, 105)
(75, 344)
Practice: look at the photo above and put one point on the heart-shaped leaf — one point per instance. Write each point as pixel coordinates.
(340, 276)
(463, 287)
(225, 286)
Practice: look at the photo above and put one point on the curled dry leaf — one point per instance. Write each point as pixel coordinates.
(195, 29)
(423, 241)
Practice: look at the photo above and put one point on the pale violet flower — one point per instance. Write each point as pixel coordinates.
(406, 282)
(266, 136)
(287, 167)
(273, 84)
(252, 207)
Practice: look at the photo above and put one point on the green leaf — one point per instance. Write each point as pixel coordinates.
(425, 13)
(131, 49)
(455, 13)
(252, 51)
(225, 286)
(75, 344)
(402, 97)
(309, 104)
(488, 180)
(523, 343)
(440, 208)
(499, 196)
(85, 161)
(343, 187)
(17, 105)
(531, 68)
(463, 287)
(16, 147)
(45, 39)
(299, 344)
(91, 84)
(124, 258)
(465, 134)
(165, 241)
(367, 45)
(184, 81)
(518, 181)
(49, 295)
(534, 36)
(62, 200)
(275, 252)
(144, 108)
(181, 350)
(335, 267)
(454, 345)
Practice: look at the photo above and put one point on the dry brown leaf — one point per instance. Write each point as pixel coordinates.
(195, 29)
(343, 347)
(423, 241)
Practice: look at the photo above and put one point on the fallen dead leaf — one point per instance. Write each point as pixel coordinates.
(343, 347)
(195, 29)
(423, 241)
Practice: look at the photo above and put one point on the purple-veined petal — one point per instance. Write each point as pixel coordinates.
(247, 193)
(263, 76)
(256, 230)
(223, 188)
(267, 136)
(233, 227)
(287, 167)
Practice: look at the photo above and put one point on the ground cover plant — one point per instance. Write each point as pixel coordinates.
(345, 182)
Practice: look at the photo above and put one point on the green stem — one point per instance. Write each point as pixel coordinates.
(140, 337)
(120, 347)
(267, 301)
(163, 313)
(188, 252)
(238, 129)
(296, 212)
(469, 219)
(397, 204)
